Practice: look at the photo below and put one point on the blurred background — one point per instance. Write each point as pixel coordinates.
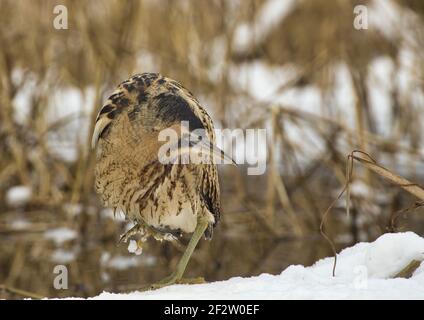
(298, 68)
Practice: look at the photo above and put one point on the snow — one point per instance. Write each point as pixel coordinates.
(364, 271)
(121, 262)
(60, 235)
(18, 196)
(20, 224)
(270, 14)
(360, 189)
(63, 256)
(73, 209)
(74, 107)
(386, 16)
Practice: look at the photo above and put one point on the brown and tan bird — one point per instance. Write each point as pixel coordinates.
(163, 199)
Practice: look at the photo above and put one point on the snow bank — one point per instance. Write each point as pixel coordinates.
(364, 271)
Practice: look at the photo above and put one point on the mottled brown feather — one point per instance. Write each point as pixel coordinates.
(128, 173)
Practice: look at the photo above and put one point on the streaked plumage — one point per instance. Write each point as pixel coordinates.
(163, 199)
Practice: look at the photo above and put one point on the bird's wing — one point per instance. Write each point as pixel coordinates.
(100, 126)
(151, 103)
(128, 98)
(197, 136)
(211, 196)
(107, 114)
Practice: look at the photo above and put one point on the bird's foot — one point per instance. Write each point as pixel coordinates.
(136, 229)
(175, 279)
(167, 281)
(141, 229)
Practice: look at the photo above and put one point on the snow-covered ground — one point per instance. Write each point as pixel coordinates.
(364, 271)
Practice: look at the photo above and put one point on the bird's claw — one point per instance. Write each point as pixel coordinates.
(137, 229)
(146, 231)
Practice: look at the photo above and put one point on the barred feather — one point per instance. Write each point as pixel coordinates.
(128, 173)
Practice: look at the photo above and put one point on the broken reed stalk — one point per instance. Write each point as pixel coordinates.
(370, 163)
(409, 270)
(367, 161)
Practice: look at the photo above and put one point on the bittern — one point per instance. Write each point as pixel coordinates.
(163, 199)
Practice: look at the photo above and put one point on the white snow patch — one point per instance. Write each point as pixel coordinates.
(385, 261)
(20, 224)
(270, 14)
(123, 262)
(60, 235)
(386, 16)
(18, 196)
(263, 81)
(380, 85)
(63, 256)
(364, 271)
(73, 209)
(74, 106)
(360, 189)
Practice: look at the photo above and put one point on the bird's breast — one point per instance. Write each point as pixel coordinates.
(163, 196)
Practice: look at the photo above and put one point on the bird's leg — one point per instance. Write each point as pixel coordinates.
(176, 276)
